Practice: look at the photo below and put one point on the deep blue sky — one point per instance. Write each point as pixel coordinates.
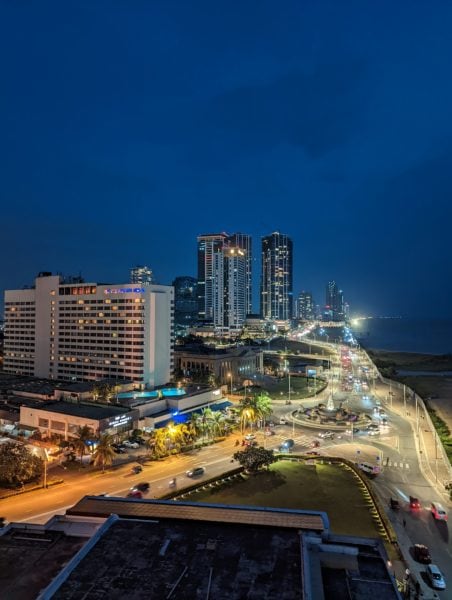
(129, 127)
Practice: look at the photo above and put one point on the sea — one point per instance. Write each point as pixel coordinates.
(426, 336)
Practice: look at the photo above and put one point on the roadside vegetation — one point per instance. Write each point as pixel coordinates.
(17, 465)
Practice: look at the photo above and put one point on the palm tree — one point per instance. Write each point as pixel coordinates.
(83, 435)
(196, 424)
(157, 443)
(247, 412)
(263, 405)
(254, 409)
(104, 453)
(217, 422)
(206, 417)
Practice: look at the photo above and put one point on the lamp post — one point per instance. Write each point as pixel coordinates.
(230, 377)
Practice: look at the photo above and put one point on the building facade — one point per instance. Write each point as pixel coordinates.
(305, 307)
(244, 242)
(90, 331)
(141, 275)
(227, 366)
(185, 301)
(224, 280)
(277, 277)
(234, 288)
(64, 418)
(334, 302)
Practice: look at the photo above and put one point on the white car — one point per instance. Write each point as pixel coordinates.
(326, 434)
(133, 445)
(250, 436)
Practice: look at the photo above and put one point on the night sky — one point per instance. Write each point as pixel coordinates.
(128, 127)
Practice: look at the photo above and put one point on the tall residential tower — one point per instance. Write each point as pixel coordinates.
(276, 282)
(224, 280)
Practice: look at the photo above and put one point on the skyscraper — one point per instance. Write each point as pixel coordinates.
(244, 241)
(235, 263)
(224, 279)
(276, 282)
(334, 302)
(306, 308)
(185, 300)
(210, 277)
(141, 275)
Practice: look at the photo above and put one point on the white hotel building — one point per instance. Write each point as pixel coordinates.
(89, 331)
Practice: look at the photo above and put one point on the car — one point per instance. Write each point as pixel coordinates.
(282, 421)
(438, 511)
(250, 436)
(119, 450)
(137, 469)
(373, 426)
(373, 432)
(422, 554)
(196, 472)
(143, 486)
(129, 444)
(414, 503)
(436, 577)
(312, 453)
(134, 494)
(325, 434)
(394, 503)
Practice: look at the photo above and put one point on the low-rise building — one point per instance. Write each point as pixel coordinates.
(64, 418)
(229, 365)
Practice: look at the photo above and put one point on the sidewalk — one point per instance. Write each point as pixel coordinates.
(431, 460)
(416, 569)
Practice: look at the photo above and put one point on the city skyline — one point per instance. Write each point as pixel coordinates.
(328, 122)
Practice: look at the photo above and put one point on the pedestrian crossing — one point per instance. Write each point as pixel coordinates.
(396, 464)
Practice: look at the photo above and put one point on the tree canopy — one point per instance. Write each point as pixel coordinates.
(17, 464)
(254, 458)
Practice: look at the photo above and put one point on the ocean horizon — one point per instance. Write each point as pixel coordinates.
(420, 335)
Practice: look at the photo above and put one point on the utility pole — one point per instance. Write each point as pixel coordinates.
(404, 399)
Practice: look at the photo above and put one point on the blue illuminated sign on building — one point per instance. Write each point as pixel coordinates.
(124, 291)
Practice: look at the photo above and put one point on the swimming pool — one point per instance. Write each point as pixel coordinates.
(165, 392)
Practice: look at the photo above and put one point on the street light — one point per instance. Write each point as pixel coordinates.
(230, 377)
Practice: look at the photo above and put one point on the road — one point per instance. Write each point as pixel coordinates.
(39, 506)
(394, 449)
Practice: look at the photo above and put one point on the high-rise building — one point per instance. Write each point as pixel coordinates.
(306, 307)
(90, 331)
(234, 287)
(185, 301)
(244, 241)
(210, 277)
(334, 302)
(141, 275)
(276, 282)
(224, 279)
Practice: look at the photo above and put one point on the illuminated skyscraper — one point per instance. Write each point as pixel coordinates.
(244, 241)
(334, 302)
(306, 308)
(141, 275)
(224, 279)
(211, 277)
(276, 282)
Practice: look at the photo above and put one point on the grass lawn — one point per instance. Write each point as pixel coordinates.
(300, 388)
(330, 488)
